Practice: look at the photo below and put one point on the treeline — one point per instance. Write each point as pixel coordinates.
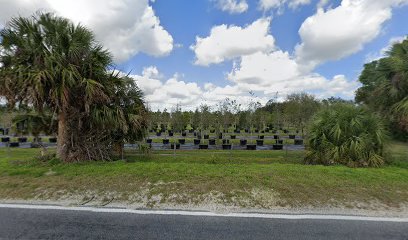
(295, 112)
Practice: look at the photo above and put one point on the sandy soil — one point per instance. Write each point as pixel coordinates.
(260, 202)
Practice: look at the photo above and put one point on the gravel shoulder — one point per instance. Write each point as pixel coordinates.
(212, 204)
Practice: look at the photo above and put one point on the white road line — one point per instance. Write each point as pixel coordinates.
(206, 214)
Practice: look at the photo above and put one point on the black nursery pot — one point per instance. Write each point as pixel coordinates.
(52, 140)
(292, 136)
(22, 139)
(275, 136)
(256, 131)
(206, 136)
(5, 139)
(191, 130)
(277, 147)
(211, 141)
(247, 130)
(183, 134)
(166, 141)
(177, 146)
(14, 144)
(251, 147)
(261, 137)
(149, 140)
(171, 134)
(279, 141)
(35, 145)
(298, 141)
(233, 136)
(259, 142)
(226, 146)
(225, 141)
(220, 136)
(158, 134)
(197, 141)
(285, 131)
(203, 146)
(182, 141)
(243, 142)
(237, 131)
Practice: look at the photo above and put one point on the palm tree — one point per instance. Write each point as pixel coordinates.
(129, 120)
(50, 63)
(346, 134)
(385, 86)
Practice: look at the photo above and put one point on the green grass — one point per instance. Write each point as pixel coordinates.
(399, 154)
(189, 176)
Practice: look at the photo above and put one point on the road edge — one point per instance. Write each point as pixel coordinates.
(204, 213)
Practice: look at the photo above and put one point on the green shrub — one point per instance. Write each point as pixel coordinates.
(346, 134)
(145, 149)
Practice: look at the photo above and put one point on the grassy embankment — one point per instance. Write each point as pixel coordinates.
(258, 179)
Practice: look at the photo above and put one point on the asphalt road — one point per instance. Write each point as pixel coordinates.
(63, 224)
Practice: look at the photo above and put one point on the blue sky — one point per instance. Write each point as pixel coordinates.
(187, 19)
(201, 51)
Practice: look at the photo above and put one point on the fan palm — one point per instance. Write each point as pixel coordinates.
(385, 86)
(346, 134)
(48, 62)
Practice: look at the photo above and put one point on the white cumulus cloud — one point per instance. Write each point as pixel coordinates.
(229, 42)
(232, 6)
(160, 94)
(278, 4)
(279, 72)
(166, 94)
(262, 73)
(125, 27)
(342, 31)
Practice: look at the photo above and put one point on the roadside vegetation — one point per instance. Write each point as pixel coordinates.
(347, 134)
(252, 179)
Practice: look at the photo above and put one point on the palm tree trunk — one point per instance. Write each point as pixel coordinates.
(118, 147)
(63, 141)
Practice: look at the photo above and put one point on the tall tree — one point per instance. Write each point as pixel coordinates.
(385, 87)
(299, 108)
(50, 63)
